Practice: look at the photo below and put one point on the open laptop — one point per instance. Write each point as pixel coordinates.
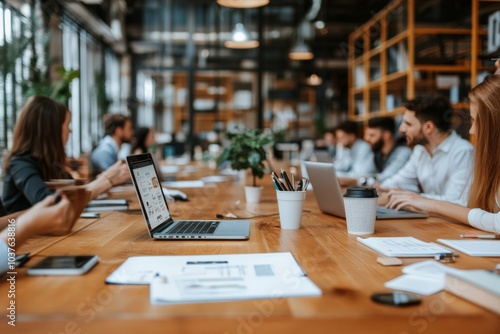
(157, 215)
(329, 194)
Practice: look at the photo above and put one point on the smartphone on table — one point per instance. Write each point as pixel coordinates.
(64, 265)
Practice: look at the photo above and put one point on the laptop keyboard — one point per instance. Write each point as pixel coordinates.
(194, 227)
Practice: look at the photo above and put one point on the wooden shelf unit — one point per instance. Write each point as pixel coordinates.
(213, 101)
(394, 57)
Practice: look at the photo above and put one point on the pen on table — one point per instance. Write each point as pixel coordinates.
(481, 236)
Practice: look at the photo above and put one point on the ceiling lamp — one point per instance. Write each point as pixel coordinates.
(300, 51)
(314, 80)
(243, 3)
(241, 39)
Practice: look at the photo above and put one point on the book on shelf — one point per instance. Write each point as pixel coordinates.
(481, 287)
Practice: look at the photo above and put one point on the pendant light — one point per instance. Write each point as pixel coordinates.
(243, 3)
(300, 51)
(241, 39)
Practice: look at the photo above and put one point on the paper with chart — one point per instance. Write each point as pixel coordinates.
(199, 278)
(231, 277)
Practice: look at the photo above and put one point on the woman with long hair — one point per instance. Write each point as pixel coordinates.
(38, 155)
(484, 196)
(144, 139)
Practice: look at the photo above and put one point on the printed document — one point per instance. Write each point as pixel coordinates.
(222, 277)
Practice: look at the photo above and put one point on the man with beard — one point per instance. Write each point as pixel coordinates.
(118, 130)
(389, 155)
(441, 162)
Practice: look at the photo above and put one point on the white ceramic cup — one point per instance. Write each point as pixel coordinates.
(290, 205)
(360, 210)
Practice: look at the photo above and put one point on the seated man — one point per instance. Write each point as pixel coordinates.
(441, 162)
(354, 157)
(389, 155)
(118, 130)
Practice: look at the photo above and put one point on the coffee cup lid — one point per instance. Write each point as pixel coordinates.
(361, 192)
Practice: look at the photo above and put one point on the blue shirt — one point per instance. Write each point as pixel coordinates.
(105, 155)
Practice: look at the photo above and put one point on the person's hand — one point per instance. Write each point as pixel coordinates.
(46, 217)
(383, 194)
(399, 199)
(118, 173)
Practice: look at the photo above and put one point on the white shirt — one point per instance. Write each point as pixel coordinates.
(444, 175)
(4, 265)
(485, 220)
(355, 161)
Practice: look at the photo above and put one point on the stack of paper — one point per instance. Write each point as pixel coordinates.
(202, 278)
(481, 287)
(475, 247)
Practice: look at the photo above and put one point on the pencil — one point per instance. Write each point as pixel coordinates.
(481, 236)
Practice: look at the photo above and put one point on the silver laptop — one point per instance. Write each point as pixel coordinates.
(157, 215)
(329, 194)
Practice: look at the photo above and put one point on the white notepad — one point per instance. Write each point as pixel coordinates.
(475, 247)
(404, 246)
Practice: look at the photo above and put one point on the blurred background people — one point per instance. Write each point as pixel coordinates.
(144, 139)
(118, 130)
(354, 156)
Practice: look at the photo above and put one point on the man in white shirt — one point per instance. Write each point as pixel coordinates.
(118, 130)
(354, 156)
(389, 155)
(441, 164)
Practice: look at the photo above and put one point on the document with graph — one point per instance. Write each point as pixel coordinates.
(205, 278)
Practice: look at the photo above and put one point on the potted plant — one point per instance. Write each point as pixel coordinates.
(247, 151)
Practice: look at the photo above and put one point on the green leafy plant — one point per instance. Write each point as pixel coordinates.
(43, 85)
(247, 151)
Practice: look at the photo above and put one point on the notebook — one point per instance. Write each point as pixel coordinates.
(475, 247)
(329, 194)
(159, 221)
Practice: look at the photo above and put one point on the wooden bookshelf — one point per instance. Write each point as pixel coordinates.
(213, 101)
(397, 55)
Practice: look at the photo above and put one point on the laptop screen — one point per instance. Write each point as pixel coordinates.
(149, 189)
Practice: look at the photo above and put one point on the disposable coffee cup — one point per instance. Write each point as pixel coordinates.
(290, 205)
(360, 210)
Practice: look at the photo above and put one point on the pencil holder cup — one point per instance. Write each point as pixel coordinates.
(290, 205)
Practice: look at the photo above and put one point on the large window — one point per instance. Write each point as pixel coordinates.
(15, 54)
(97, 91)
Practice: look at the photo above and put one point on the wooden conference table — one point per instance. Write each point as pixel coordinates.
(345, 270)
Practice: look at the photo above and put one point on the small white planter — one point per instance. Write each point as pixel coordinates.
(252, 194)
